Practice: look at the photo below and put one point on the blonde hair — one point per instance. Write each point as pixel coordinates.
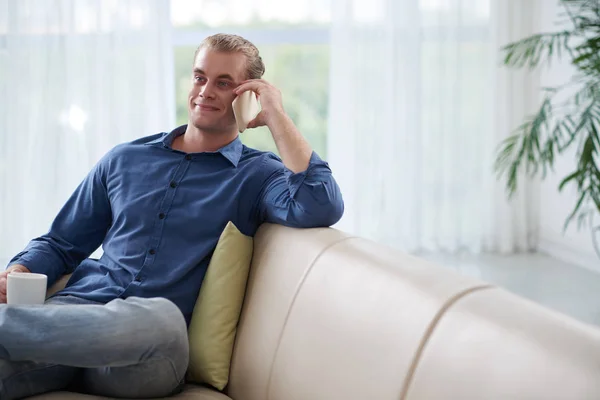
(229, 43)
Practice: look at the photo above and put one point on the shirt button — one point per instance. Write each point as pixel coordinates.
(173, 184)
(188, 157)
(152, 252)
(138, 279)
(161, 216)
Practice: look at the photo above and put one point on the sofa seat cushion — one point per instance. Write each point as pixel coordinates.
(190, 392)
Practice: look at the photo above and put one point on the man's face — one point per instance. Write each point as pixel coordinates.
(215, 75)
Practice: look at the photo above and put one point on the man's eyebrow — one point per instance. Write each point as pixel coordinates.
(222, 76)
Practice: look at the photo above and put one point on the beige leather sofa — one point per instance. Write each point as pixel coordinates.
(332, 317)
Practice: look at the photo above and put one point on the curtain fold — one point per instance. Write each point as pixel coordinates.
(76, 78)
(419, 102)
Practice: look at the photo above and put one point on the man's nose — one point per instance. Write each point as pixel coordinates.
(207, 91)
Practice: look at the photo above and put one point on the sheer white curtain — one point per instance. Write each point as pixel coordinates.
(418, 104)
(76, 78)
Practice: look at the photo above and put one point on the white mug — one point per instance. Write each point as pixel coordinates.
(26, 288)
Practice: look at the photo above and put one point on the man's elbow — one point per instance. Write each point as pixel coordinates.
(335, 211)
(317, 209)
(325, 214)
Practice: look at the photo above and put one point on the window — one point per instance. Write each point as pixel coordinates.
(293, 39)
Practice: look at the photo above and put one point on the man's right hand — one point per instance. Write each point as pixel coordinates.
(4, 274)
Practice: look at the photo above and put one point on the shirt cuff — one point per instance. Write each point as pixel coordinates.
(316, 167)
(38, 263)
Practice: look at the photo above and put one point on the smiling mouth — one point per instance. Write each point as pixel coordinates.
(205, 107)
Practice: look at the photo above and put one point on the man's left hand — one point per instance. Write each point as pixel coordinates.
(270, 101)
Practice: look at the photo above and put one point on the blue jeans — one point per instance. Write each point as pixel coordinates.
(133, 348)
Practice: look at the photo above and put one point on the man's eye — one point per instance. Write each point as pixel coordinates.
(198, 79)
(223, 84)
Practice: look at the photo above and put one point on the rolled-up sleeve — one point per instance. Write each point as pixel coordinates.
(307, 199)
(78, 230)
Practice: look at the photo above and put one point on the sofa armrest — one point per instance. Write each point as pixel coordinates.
(59, 285)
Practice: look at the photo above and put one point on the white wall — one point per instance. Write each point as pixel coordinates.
(574, 246)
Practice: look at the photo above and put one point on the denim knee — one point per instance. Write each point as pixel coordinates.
(159, 327)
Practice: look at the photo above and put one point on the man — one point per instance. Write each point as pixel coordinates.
(157, 205)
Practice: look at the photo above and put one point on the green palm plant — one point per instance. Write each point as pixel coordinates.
(558, 126)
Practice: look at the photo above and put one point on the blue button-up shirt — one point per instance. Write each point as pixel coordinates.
(159, 213)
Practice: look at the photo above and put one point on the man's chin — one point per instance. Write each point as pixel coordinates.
(212, 127)
(200, 123)
(209, 128)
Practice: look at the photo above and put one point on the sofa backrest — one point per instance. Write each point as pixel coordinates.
(330, 316)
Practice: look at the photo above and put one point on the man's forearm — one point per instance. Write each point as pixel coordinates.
(294, 150)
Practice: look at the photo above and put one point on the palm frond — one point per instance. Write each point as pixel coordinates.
(526, 146)
(555, 128)
(575, 211)
(530, 51)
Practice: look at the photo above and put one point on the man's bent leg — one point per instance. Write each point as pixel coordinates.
(158, 377)
(27, 378)
(19, 379)
(121, 333)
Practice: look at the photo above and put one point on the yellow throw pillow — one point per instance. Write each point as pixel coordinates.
(217, 311)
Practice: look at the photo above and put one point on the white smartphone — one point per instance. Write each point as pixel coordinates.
(245, 109)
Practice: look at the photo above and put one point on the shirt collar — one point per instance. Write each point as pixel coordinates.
(231, 151)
